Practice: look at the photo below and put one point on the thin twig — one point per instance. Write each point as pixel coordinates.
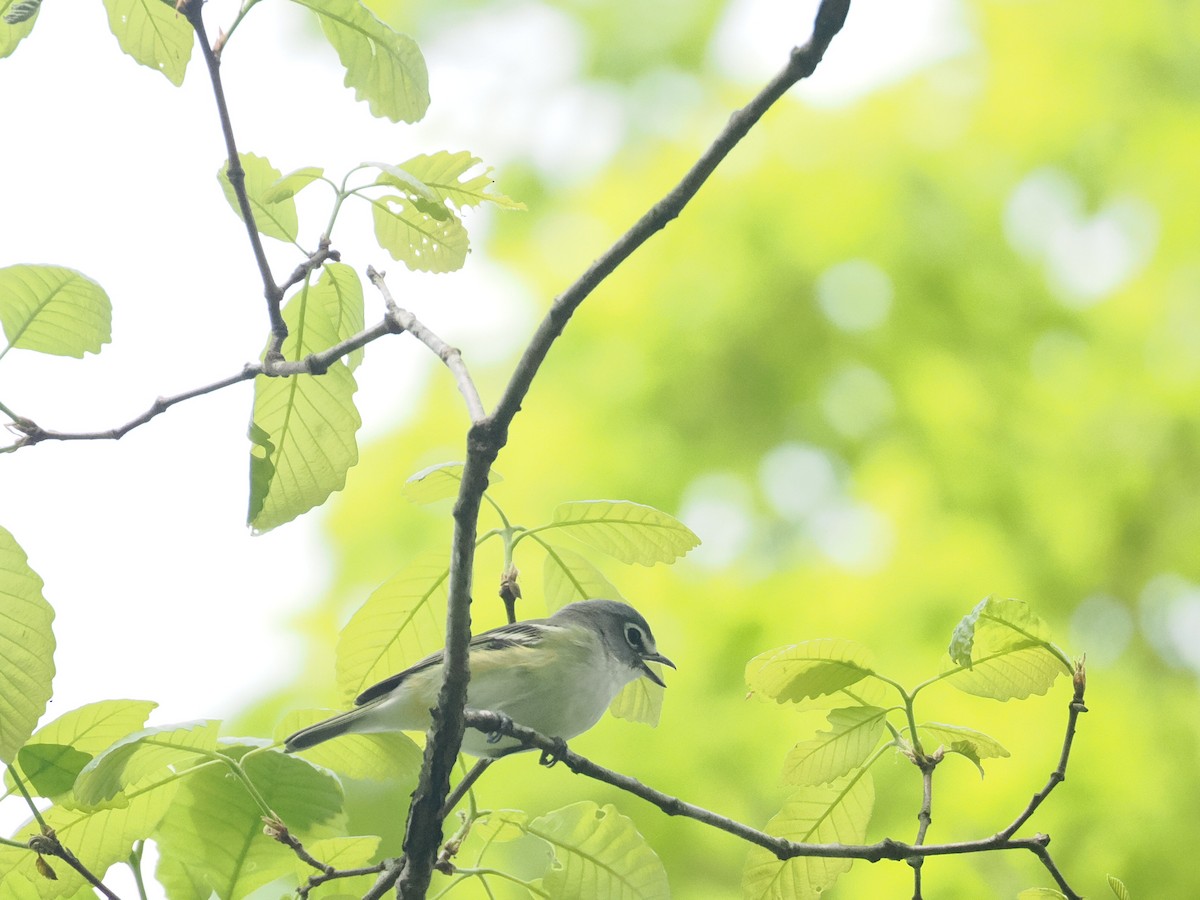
(48, 844)
(1059, 774)
(193, 11)
(447, 354)
(468, 781)
(924, 817)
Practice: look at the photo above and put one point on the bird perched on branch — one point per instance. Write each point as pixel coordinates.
(554, 675)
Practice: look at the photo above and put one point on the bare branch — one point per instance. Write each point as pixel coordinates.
(447, 354)
(1059, 774)
(555, 751)
(193, 11)
(802, 62)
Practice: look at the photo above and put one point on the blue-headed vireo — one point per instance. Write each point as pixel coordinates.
(555, 675)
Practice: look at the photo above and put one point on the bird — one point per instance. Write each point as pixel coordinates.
(555, 675)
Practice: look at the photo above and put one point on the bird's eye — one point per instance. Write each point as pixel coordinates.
(635, 638)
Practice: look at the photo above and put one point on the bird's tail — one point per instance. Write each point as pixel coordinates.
(343, 723)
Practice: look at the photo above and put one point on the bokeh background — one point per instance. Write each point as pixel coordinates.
(933, 333)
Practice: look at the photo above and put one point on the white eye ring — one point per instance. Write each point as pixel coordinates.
(635, 638)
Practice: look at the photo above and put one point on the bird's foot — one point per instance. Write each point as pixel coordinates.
(549, 758)
(505, 724)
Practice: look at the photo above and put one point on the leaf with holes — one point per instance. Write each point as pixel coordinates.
(425, 237)
(153, 33)
(444, 174)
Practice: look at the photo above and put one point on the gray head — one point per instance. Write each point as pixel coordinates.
(622, 629)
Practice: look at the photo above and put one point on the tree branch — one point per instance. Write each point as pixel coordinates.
(193, 11)
(395, 321)
(488, 435)
(450, 356)
(802, 62)
(555, 751)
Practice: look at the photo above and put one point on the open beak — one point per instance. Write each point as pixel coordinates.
(649, 672)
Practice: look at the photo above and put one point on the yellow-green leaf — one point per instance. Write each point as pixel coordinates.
(568, 576)
(425, 236)
(291, 184)
(153, 33)
(439, 482)
(212, 839)
(808, 669)
(143, 755)
(397, 626)
(835, 813)
(53, 310)
(974, 745)
(598, 855)
(26, 648)
(630, 532)
(384, 67)
(640, 701)
(303, 428)
(854, 732)
(16, 21)
(443, 174)
(274, 214)
(1118, 888)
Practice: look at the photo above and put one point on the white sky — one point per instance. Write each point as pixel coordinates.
(110, 170)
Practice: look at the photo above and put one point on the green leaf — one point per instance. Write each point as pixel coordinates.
(640, 701)
(439, 482)
(974, 745)
(1118, 888)
(377, 757)
(598, 855)
(291, 184)
(1041, 893)
(212, 838)
(630, 532)
(16, 23)
(26, 648)
(808, 669)
(396, 627)
(303, 428)
(425, 239)
(384, 67)
(836, 813)
(143, 755)
(273, 216)
(568, 576)
(854, 733)
(1003, 651)
(442, 174)
(51, 769)
(87, 730)
(153, 33)
(54, 310)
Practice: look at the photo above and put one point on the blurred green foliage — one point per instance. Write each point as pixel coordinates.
(941, 342)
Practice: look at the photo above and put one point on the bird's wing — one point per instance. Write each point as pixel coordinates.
(519, 634)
